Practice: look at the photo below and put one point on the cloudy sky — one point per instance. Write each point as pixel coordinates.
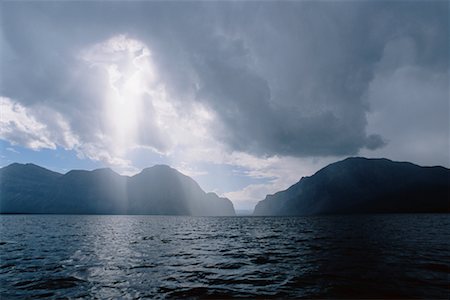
(245, 97)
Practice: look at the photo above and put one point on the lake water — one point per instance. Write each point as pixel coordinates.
(53, 256)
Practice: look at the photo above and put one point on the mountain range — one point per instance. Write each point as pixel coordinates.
(361, 185)
(159, 190)
(351, 186)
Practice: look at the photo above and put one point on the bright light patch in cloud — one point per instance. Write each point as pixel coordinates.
(138, 111)
(126, 64)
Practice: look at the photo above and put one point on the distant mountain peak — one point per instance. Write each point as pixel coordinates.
(105, 170)
(158, 167)
(28, 165)
(161, 166)
(28, 169)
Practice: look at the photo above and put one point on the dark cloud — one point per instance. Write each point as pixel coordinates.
(286, 78)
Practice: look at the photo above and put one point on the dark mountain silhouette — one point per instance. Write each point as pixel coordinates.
(27, 188)
(361, 185)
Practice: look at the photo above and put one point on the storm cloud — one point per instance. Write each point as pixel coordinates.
(281, 78)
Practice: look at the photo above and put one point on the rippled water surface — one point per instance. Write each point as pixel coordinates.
(53, 256)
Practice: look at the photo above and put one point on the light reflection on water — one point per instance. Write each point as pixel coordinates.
(166, 256)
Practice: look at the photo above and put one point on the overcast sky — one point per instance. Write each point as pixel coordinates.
(245, 97)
